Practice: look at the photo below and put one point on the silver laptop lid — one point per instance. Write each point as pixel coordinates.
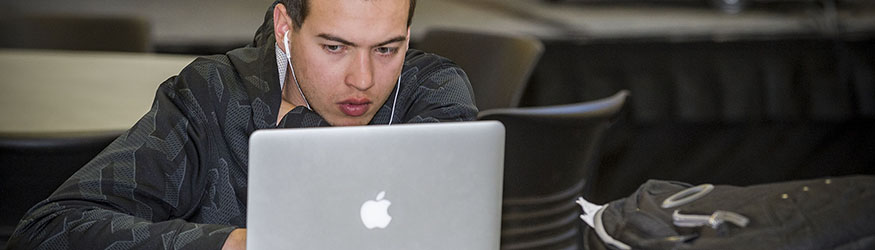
(421, 186)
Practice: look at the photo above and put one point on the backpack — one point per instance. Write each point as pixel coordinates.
(826, 213)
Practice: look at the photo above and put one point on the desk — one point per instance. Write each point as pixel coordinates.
(61, 91)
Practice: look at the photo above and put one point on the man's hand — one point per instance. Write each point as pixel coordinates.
(236, 240)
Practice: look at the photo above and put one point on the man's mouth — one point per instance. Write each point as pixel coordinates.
(354, 106)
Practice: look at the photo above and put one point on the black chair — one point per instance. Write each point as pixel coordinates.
(498, 65)
(72, 32)
(32, 166)
(550, 155)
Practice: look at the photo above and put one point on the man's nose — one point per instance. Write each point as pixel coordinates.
(361, 72)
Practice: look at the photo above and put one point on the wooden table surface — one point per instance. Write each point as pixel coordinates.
(63, 91)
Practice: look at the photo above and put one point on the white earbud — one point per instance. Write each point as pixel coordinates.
(292, 68)
(397, 87)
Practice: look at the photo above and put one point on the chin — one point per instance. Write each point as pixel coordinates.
(360, 121)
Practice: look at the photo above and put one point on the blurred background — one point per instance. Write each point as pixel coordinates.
(734, 92)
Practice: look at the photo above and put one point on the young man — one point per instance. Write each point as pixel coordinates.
(178, 178)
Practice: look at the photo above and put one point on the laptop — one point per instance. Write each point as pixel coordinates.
(409, 186)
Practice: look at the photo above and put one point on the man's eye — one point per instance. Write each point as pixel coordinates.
(386, 50)
(333, 48)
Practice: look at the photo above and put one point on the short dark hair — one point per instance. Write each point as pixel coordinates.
(297, 10)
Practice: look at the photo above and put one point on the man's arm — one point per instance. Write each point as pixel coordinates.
(135, 192)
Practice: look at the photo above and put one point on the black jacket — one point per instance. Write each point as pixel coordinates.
(178, 177)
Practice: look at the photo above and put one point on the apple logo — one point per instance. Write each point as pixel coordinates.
(375, 213)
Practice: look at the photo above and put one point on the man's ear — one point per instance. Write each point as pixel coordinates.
(281, 23)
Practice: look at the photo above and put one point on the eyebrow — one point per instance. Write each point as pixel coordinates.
(351, 44)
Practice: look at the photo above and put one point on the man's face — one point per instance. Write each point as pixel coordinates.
(348, 55)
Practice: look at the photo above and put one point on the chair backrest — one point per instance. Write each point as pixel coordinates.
(32, 166)
(70, 32)
(550, 153)
(498, 65)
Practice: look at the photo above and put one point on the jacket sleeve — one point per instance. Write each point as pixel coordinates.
(133, 193)
(444, 95)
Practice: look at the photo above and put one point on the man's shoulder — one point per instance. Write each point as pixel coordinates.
(222, 72)
(203, 69)
(206, 81)
(207, 66)
(423, 62)
(432, 71)
(429, 81)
